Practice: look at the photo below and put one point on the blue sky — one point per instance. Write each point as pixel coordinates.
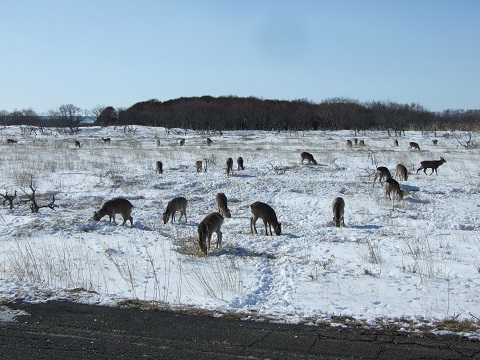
(116, 53)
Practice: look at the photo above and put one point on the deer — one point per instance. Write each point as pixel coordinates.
(434, 142)
(181, 142)
(395, 142)
(414, 146)
(229, 166)
(355, 141)
(209, 142)
(265, 212)
(401, 172)
(338, 208)
(212, 223)
(77, 144)
(199, 165)
(221, 201)
(381, 173)
(159, 167)
(309, 157)
(393, 185)
(240, 163)
(11, 141)
(349, 143)
(361, 143)
(174, 205)
(431, 164)
(106, 140)
(115, 206)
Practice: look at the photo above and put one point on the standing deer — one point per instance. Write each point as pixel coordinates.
(267, 214)
(209, 142)
(11, 141)
(435, 142)
(174, 205)
(221, 201)
(212, 223)
(393, 185)
(395, 142)
(414, 146)
(115, 206)
(431, 164)
(355, 141)
(401, 172)
(381, 173)
(349, 143)
(361, 143)
(309, 157)
(106, 140)
(338, 208)
(229, 166)
(240, 163)
(159, 167)
(182, 142)
(77, 144)
(199, 165)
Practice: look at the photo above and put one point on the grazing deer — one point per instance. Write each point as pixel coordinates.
(355, 141)
(115, 206)
(431, 164)
(77, 144)
(159, 167)
(393, 185)
(395, 142)
(361, 143)
(182, 142)
(435, 142)
(265, 212)
(401, 172)
(11, 141)
(338, 208)
(221, 201)
(381, 173)
(209, 142)
(199, 165)
(174, 205)
(349, 143)
(212, 223)
(240, 163)
(229, 166)
(414, 146)
(307, 156)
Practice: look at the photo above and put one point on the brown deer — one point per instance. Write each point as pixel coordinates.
(106, 140)
(267, 214)
(212, 223)
(401, 172)
(199, 165)
(431, 164)
(209, 142)
(361, 143)
(395, 142)
(414, 146)
(435, 142)
(182, 142)
(115, 206)
(355, 141)
(174, 205)
(77, 144)
(11, 141)
(221, 201)
(229, 166)
(349, 143)
(338, 208)
(309, 157)
(381, 173)
(240, 163)
(392, 185)
(159, 167)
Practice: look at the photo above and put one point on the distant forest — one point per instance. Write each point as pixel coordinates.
(207, 113)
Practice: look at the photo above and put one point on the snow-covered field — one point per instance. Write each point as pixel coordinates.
(410, 263)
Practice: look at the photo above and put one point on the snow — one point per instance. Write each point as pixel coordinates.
(415, 260)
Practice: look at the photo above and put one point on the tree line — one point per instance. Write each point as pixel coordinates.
(207, 113)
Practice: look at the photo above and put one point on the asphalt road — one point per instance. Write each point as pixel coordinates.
(65, 330)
